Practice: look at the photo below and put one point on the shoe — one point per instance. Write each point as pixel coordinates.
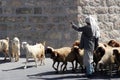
(90, 76)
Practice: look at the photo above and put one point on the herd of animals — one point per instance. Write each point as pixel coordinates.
(106, 56)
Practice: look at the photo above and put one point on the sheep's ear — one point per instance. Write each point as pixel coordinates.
(75, 48)
(105, 45)
(55, 53)
(49, 50)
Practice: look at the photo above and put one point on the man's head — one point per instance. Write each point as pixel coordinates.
(87, 20)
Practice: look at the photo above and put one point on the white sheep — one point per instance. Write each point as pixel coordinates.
(36, 51)
(4, 47)
(16, 48)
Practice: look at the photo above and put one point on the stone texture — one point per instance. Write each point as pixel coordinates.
(24, 10)
(49, 20)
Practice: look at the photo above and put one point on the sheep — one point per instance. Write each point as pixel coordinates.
(107, 59)
(16, 48)
(36, 51)
(114, 43)
(79, 54)
(64, 55)
(116, 54)
(76, 43)
(99, 52)
(4, 47)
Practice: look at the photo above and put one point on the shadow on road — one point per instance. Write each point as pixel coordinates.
(18, 68)
(4, 61)
(51, 75)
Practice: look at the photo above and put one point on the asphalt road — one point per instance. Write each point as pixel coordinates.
(16, 71)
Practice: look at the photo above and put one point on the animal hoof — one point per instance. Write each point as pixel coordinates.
(25, 67)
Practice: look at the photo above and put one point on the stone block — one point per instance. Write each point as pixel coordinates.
(88, 10)
(59, 19)
(103, 18)
(95, 3)
(111, 10)
(15, 3)
(117, 2)
(102, 10)
(117, 10)
(12, 19)
(38, 10)
(117, 24)
(8, 10)
(3, 27)
(38, 19)
(110, 3)
(82, 2)
(113, 17)
(24, 10)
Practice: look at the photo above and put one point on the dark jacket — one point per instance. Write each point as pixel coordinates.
(87, 39)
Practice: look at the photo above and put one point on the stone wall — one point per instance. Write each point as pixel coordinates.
(49, 20)
(39, 20)
(108, 14)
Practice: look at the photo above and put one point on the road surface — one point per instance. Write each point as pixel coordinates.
(16, 71)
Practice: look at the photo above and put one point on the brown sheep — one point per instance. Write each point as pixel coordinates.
(79, 56)
(107, 59)
(116, 54)
(113, 43)
(64, 55)
(76, 43)
(99, 52)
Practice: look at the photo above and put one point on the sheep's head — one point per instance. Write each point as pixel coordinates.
(100, 51)
(113, 43)
(50, 50)
(24, 44)
(98, 54)
(75, 49)
(116, 54)
(76, 43)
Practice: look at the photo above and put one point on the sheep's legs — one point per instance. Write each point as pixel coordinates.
(35, 61)
(42, 61)
(26, 63)
(76, 65)
(65, 67)
(5, 57)
(7, 54)
(54, 65)
(16, 58)
(73, 66)
(62, 67)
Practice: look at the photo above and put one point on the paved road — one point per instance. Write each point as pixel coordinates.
(16, 71)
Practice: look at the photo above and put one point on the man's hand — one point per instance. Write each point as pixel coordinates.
(72, 23)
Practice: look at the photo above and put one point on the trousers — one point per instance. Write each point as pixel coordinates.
(88, 61)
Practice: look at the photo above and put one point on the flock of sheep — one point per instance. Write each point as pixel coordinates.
(107, 55)
(11, 48)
